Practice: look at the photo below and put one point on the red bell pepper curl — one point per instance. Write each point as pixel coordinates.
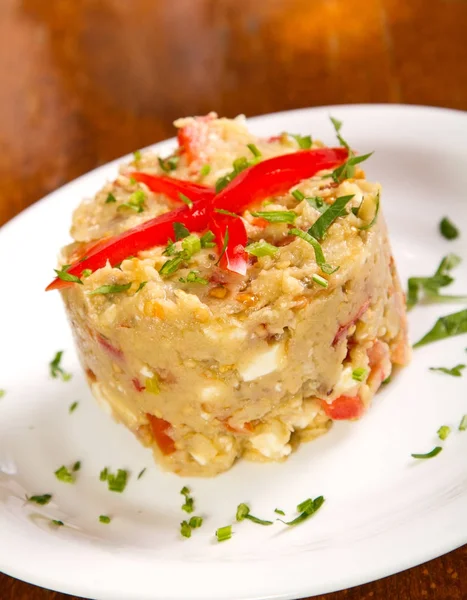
(154, 232)
(234, 258)
(172, 188)
(276, 176)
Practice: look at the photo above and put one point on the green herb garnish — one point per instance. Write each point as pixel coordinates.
(77, 466)
(298, 195)
(337, 126)
(191, 244)
(207, 240)
(309, 508)
(104, 519)
(335, 210)
(65, 276)
(117, 483)
(63, 474)
(135, 201)
(431, 454)
(443, 432)
(86, 273)
(375, 217)
(141, 286)
(320, 280)
(239, 165)
(463, 424)
(224, 246)
(261, 248)
(319, 255)
(318, 203)
(254, 150)
(110, 198)
(180, 231)
(347, 170)
(137, 155)
(448, 229)
(276, 216)
(448, 326)
(104, 474)
(304, 141)
(186, 200)
(185, 529)
(170, 249)
(279, 511)
(42, 500)
(454, 371)
(188, 505)
(430, 286)
(141, 473)
(193, 277)
(229, 213)
(56, 369)
(57, 523)
(224, 533)
(171, 265)
(205, 170)
(111, 289)
(359, 374)
(387, 380)
(168, 164)
(243, 512)
(195, 522)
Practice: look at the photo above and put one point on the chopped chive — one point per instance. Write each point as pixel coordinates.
(56, 369)
(224, 533)
(320, 280)
(170, 249)
(310, 508)
(111, 289)
(104, 519)
(454, 371)
(185, 529)
(168, 164)
(57, 523)
(195, 522)
(63, 474)
(359, 374)
(104, 474)
(243, 512)
(319, 255)
(193, 277)
(304, 141)
(110, 198)
(463, 424)
(254, 150)
(261, 248)
(305, 505)
(222, 211)
(141, 473)
(431, 454)
(186, 200)
(443, 432)
(327, 218)
(180, 231)
(171, 265)
(279, 511)
(205, 170)
(297, 194)
(448, 229)
(77, 466)
(135, 201)
(64, 276)
(276, 216)
(141, 286)
(191, 244)
(42, 500)
(86, 273)
(117, 483)
(224, 246)
(188, 506)
(207, 240)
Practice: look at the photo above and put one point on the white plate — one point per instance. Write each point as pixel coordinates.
(384, 511)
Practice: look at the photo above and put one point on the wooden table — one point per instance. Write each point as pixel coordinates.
(85, 82)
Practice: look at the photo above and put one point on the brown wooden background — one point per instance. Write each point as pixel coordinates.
(85, 81)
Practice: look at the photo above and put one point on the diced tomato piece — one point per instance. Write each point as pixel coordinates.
(159, 431)
(344, 408)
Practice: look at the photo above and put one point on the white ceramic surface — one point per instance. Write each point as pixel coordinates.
(384, 511)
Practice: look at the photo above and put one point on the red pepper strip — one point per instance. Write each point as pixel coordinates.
(154, 232)
(159, 428)
(276, 176)
(174, 187)
(234, 258)
(344, 408)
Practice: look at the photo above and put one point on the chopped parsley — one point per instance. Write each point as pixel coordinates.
(254, 150)
(55, 368)
(304, 141)
(188, 505)
(327, 218)
(180, 231)
(359, 374)
(186, 200)
(65, 276)
(431, 454)
(111, 289)
(454, 371)
(307, 508)
(224, 533)
(448, 229)
(104, 519)
(141, 473)
(463, 424)
(443, 432)
(110, 198)
(320, 280)
(430, 286)
(135, 201)
(41, 500)
(261, 248)
(64, 475)
(319, 255)
(57, 523)
(243, 512)
(447, 326)
(276, 216)
(168, 164)
(116, 483)
(207, 240)
(193, 277)
(205, 170)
